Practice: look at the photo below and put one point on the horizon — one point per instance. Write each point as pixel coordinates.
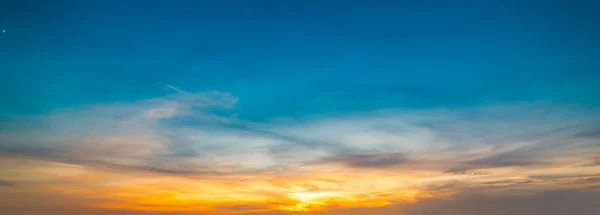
(299, 107)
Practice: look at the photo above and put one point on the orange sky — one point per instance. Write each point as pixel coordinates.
(128, 158)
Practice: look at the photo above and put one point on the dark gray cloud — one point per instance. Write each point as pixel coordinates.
(590, 180)
(467, 172)
(175, 167)
(545, 143)
(370, 161)
(534, 154)
(505, 183)
(547, 203)
(585, 180)
(443, 187)
(504, 160)
(594, 162)
(499, 160)
(4, 183)
(591, 133)
(562, 176)
(296, 142)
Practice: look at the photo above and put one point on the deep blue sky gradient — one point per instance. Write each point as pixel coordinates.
(299, 58)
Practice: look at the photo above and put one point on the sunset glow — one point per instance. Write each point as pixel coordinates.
(299, 107)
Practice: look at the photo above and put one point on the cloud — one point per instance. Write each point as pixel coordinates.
(181, 134)
(594, 162)
(549, 203)
(185, 142)
(508, 182)
(4, 183)
(587, 180)
(467, 172)
(116, 136)
(369, 161)
(593, 132)
(499, 160)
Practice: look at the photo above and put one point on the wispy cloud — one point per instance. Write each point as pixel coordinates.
(377, 161)
(186, 141)
(4, 183)
(552, 203)
(129, 136)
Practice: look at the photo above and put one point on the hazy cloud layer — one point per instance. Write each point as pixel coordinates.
(192, 147)
(550, 203)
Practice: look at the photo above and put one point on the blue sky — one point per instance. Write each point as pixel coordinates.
(299, 57)
(392, 105)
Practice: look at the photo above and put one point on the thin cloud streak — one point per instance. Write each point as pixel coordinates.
(184, 142)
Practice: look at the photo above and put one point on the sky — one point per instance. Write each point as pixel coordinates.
(299, 107)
